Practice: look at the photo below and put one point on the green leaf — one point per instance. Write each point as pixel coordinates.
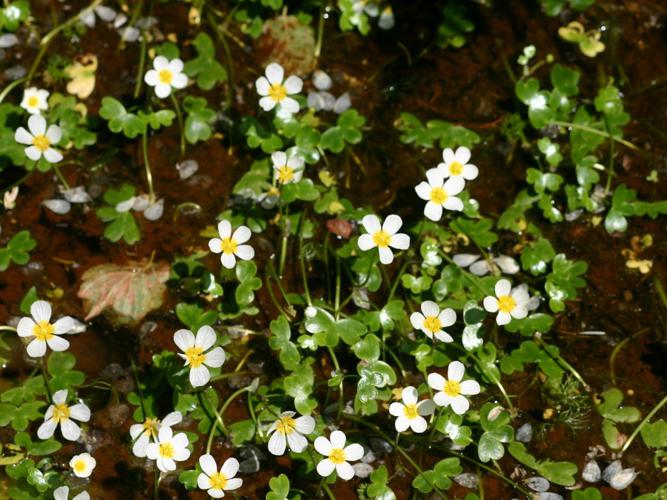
(242, 431)
(120, 120)
(194, 317)
(199, 119)
(17, 250)
(479, 231)
(279, 488)
(565, 80)
(280, 341)
(28, 300)
(588, 494)
(655, 434)
(205, 67)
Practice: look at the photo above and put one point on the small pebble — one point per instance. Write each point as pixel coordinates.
(187, 168)
(611, 470)
(467, 480)
(343, 103)
(322, 80)
(524, 433)
(538, 484)
(8, 40)
(591, 472)
(154, 211)
(362, 470)
(57, 206)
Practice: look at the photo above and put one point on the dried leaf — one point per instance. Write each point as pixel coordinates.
(82, 75)
(127, 293)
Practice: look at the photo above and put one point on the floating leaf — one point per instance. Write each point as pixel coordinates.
(127, 292)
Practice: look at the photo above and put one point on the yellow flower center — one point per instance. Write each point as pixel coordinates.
(166, 450)
(218, 481)
(33, 101)
(337, 456)
(228, 245)
(80, 466)
(410, 412)
(286, 425)
(452, 388)
(455, 168)
(381, 239)
(432, 324)
(439, 195)
(277, 92)
(506, 303)
(195, 356)
(285, 174)
(43, 331)
(165, 76)
(150, 426)
(41, 142)
(60, 412)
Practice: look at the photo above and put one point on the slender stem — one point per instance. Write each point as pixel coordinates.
(559, 359)
(272, 273)
(337, 296)
(7, 329)
(660, 289)
(397, 280)
(156, 485)
(179, 115)
(339, 372)
(610, 169)
(328, 491)
(226, 375)
(60, 175)
(135, 375)
(320, 33)
(595, 131)
(10, 87)
(646, 420)
(147, 166)
(142, 65)
(617, 349)
(501, 476)
(302, 260)
(46, 379)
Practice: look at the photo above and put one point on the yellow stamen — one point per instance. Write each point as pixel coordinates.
(382, 239)
(277, 92)
(41, 142)
(33, 101)
(285, 174)
(167, 450)
(439, 195)
(150, 426)
(195, 356)
(432, 324)
(506, 303)
(337, 456)
(43, 331)
(218, 481)
(286, 425)
(60, 412)
(455, 168)
(452, 388)
(410, 412)
(80, 466)
(228, 245)
(165, 76)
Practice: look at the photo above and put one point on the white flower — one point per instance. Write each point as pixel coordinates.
(62, 493)
(286, 169)
(456, 164)
(168, 449)
(147, 432)
(275, 91)
(82, 465)
(39, 140)
(440, 194)
(289, 430)
(451, 390)
(216, 482)
(508, 303)
(482, 267)
(60, 414)
(197, 355)
(35, 100)
(42, 331)
(166, 75)
(337, 455)
(411, 413)
(230, 245)
(431, 321)
(383, 237)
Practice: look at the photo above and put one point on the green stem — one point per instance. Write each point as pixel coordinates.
(179, 115)
(156, 485)
(646, 420)
(610, 169)
(7, 329)
(60, 175)
(397, 280)
(617, 349)
(302, 261)
(142, 65)
(135, 375)
(46, 379)
(10, 87)
(595, 131)
(272, 273)
(339, 372)
(147, 167)
(328, 491)
(559, 359)
(320, 34)
(337, 296)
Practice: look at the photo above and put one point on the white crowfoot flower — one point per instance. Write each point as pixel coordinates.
(275, 91)
(168, 449)
(337, 455)
(42, 332)
(383, 236)
(286, 169)
(410, 413)
(60, 414)
(82, 464)
(166, 75)
(40, 139)
(440, 194)
(145, 433)
(508, 303)
(288, 430)
(197, 355)
(231, 245)
(431, 320)
(35, 100)
(452, 390)
(62, 493)
(456, 164)
(216, 482)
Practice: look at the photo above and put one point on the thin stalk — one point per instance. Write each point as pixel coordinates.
(7, 328)
(394, 285)
(302, 261)
(559, 359)
(337, 296)
(617, 349)
(60, 175)
(328, 491)
(46, 379)
(147, 166)
(340, 386)
(595, 131)
(179, 116)
(660, 289)
(135, 375)
(320, 33)
(142, 65)
(272, 273)
(10, 87)
(610, 169)
(226, 375)
(646, 420)
(156, 485)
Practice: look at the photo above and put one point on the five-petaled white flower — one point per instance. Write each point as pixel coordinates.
(231, 245)
(453, 389)
(82, 465)
(168, 449)
(410, 413)
(166, 75)
(286, 169)
(288, 430)
(275, 92)
(197, 355)
(35, 100)
(431, 321)
(383, 236)
(337, 455)
(60, 414)
(40, 139)
(456, 164)
(216, 482)
(145, 433)
(440, 193)
(508, 303)
(62, 493)
(43, 332)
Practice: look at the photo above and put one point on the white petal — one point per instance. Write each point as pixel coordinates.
(409, 395)
(37, 125)
(322, 446)
(462, 155)
(54, 134)
(510, 266)
(519, 312)
(430, 308)
(176, 65)
(392, 224)
(151, 78)
(140, 445)
(289, 105)
(503, 287)
(337, 439)
(203, 481)
(215, 358)
(61, 493)
(441, 399)
(181, 454)
(396, 409)
(433, 211)
(165, 434)
(426, 407)
(435, 179)
(208, 465)
(230, 467)
(423, 190)
(179, 81)
(460, 405)
(245, 252)
(455, 371)
(470, 387)
(262, 85)
(79, 412)
(241, 235)
(371, 224)
(184, 339)
(57, 344)
(447, 317)
(59, 397)
(279, 159)
(206, 337)
(267, 103)
(152, 451)
(36, 348)
(386, 255)
(199, 376)
(46, 430)
(274, 73)
(33, 153)
(453, 203)
(53, 155)
(25, 327)
(325, 467)
(418, 424)
(365, 242)
(417, 320)
(70, 430)
(305, 424)
(470, 171)
(520, 294)
(443, 336)
(225, 228)
(22, 136)
(436, 381)
(402, 423)
(160, 62)
(345, 471)
(162, 90)
(503, 318)
(293, 84)
(228, 260)
(277, 444)
(63, 325)
(448, 155)
(401, 241)
(215, 245)
(171, 419)
(480, 268)
(491, 304)
(297, 443)
(40, 310)
(465, 259)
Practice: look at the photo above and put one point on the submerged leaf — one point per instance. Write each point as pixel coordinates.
(128, 293)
